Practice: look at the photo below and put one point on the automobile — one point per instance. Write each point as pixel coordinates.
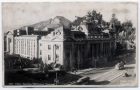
(119, 66)
(83, 80)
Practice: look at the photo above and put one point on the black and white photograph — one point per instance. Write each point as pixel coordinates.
(70, 44)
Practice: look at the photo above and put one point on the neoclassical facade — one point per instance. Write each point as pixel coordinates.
(81, 47)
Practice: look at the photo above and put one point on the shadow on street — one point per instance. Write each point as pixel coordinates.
(93, 82)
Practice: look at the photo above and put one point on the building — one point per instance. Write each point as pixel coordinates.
(26, 46)
(83, 47)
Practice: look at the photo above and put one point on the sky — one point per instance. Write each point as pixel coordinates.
(16, 15)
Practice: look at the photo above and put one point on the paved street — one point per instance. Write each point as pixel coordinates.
(130, 68)
(95, 73)
(112, 76)
(130, 80)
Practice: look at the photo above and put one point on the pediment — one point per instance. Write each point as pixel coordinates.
(9, 33)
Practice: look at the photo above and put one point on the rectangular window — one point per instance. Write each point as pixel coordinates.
(49, 47)
(49, 57)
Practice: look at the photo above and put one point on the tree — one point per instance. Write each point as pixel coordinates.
(129, 30)
(78, 20)
(91, 16)
(115, 24)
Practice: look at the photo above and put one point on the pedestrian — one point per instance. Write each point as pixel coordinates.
(121, 65)
(126, 74)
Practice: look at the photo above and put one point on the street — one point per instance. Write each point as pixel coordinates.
(111, 76)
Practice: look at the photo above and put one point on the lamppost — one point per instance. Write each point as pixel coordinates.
(56, 81)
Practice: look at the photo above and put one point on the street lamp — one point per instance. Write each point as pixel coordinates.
(56, 81)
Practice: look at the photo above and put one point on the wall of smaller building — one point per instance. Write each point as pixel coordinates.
(26, 46)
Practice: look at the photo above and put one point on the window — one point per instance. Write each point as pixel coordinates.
(49, 57)
(49, 47)
(40, 44)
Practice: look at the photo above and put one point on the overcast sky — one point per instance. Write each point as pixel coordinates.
(15, 15)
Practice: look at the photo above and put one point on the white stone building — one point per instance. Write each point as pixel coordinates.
(51, 47)
(26, 46)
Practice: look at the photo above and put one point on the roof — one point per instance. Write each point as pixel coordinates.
(9, 32)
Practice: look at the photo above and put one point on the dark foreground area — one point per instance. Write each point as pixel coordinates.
(21, 77)
(27, 78)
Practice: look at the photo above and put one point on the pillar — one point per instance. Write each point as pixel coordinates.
(78, 58)
(101, 49)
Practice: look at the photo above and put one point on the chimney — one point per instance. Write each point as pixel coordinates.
(18, 32)
(26, 29)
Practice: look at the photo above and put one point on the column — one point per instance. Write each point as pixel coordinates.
(7, 48)
(101, 49)
(78, 57)
(26, 49)
(72, 54)
(93, 51)
(97, 48)
(110, 49)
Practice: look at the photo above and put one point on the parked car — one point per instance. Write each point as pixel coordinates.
(82, 80)
(119, 66)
